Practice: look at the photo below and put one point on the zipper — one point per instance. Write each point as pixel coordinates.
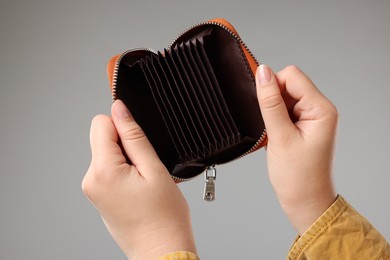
(209, 187)
(210, 172)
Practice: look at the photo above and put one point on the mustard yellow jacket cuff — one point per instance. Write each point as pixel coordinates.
(340, 233)
(180, 255)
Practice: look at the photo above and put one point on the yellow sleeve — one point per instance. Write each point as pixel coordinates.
(180, 255)
(340, 233)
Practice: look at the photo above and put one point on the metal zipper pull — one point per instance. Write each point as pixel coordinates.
(209, 188)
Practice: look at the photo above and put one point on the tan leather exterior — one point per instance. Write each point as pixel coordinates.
(111, 68)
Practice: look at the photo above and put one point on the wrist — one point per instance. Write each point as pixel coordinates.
(304, 193)
(162, 242)
(303, 211)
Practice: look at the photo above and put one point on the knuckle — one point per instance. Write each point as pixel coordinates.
(97, 177)
(133, 132)
(332, 112)
(292, 68)
(328, 108)
(271, 102)
(97, 172)
(87, 186)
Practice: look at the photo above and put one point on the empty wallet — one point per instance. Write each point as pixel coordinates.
(195, 100)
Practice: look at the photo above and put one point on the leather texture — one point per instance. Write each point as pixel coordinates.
(196, 101)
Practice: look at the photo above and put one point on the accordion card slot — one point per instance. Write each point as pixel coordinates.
(188, 103)
(202, 106)
(205, 104)
(137, 96)
(206, 84)
(203, 91)
(163, 95)
(171, 108)
(187, 84)
(197, 145)
(165, 108)
(176, 111)
(214, 89)
(215, 97)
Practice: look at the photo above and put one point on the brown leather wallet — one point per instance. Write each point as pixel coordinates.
(195, 100)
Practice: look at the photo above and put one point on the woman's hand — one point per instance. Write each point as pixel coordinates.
(140, 204)
(301, 126)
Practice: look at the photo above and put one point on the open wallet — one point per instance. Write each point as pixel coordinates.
(195, 100)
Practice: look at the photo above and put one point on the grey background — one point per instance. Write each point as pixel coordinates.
(53, 57)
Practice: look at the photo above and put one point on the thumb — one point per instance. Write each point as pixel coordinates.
(273, 108)
(134, 141)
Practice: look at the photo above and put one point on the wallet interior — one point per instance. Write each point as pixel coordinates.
(196, 101)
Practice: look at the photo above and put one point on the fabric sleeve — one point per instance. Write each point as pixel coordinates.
(180, 255)
(340, 233)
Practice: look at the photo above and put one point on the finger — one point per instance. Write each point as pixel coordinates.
(104, 141)
(272, 106)
(297, 84)
(310, 102)
(106, 157)
(135, 143)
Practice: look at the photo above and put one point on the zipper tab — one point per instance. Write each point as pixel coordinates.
(209, 188)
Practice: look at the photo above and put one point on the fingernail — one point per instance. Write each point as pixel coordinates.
(263, 74)
(120, 110)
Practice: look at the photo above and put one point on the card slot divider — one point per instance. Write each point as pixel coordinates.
(216, 110)
(184, 97)
(175, 97)
(171, 113)
(162, 108)
(203, 106)
(203, 93)
(217, 87)
(187, 85)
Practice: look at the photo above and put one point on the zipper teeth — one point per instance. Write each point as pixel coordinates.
(115, 78)
(179, 180)
(116, 69)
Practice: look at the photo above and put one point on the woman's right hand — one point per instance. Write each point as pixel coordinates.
(301, 127)
(142, 207)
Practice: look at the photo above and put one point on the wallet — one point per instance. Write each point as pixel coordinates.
(195, 100)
